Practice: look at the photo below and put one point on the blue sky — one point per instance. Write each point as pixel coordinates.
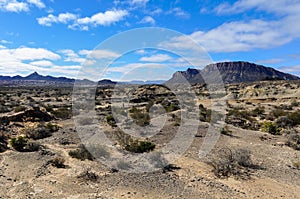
(54, 37)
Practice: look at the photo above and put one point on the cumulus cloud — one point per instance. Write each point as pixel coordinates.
(71, 56)
(148, 19)
(61, 18)
(105, 19)
(14, 6)
(37, 3)
(26, 60)
(246, 35)
(75, 22)
(280, 6)
(19, 6)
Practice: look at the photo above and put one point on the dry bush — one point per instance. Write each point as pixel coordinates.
(294, 141)
(58, 162)
(229, 162)
(88, 175)
(81, 153)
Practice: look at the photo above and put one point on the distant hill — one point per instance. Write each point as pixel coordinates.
(37, 77)
(231, 72)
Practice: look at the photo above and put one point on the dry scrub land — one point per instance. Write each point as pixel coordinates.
(256, 156)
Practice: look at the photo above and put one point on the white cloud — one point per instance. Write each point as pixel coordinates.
(156, 58)
(179, 12)
(71, 56)
(75, 22)
(280, 6)
(290, 69)
(15, 61)
(240, 36)
(148, 19)
(37, 3)
(14, 6)
(99, 54)
(25, 53)
(61, 18)
(42, 63)
(19, 6)
(3, 41)
(105, 19)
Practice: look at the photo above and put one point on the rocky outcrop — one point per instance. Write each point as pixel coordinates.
(230, 72)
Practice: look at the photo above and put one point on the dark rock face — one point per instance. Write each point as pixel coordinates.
(230, 72)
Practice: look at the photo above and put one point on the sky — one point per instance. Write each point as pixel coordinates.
(63, 37)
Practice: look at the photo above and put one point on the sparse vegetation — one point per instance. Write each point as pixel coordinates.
(81, 153)
(229, 162)
(58, 162)
(88, 175)
(18, 143)
(270, 127)
(294, 141)
(140, 117)
(20, 108)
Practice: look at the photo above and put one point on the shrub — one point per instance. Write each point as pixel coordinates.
(257, 111)
(88, 175)
(232, 163)
(294, 141)
(295, 117)
(20, 108)
(52, 127)
(136, 146)
(140, 117)
(81, 153)
(37, 133)
(62, 113)
(284, 122)
(19, 143)
(225, 131)
(111, 120)
(271, 128)
(58, 162)
(133, 145)
(32, 146)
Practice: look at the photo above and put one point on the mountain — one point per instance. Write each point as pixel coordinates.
(231, 72)
(37, 77)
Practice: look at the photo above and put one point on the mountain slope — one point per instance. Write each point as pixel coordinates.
(231, 72)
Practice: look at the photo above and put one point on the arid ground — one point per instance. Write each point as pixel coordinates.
(256, 156)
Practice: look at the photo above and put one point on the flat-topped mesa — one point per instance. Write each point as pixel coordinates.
(230, 72)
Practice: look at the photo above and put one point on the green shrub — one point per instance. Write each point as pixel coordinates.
(81, 153)
(257, 111)
(19, 143)
(52, 127)
(62, 113)
(140, 117)
(111, 120)
(271, 128)
(20, 108)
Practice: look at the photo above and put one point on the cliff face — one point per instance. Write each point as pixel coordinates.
(230, 72)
